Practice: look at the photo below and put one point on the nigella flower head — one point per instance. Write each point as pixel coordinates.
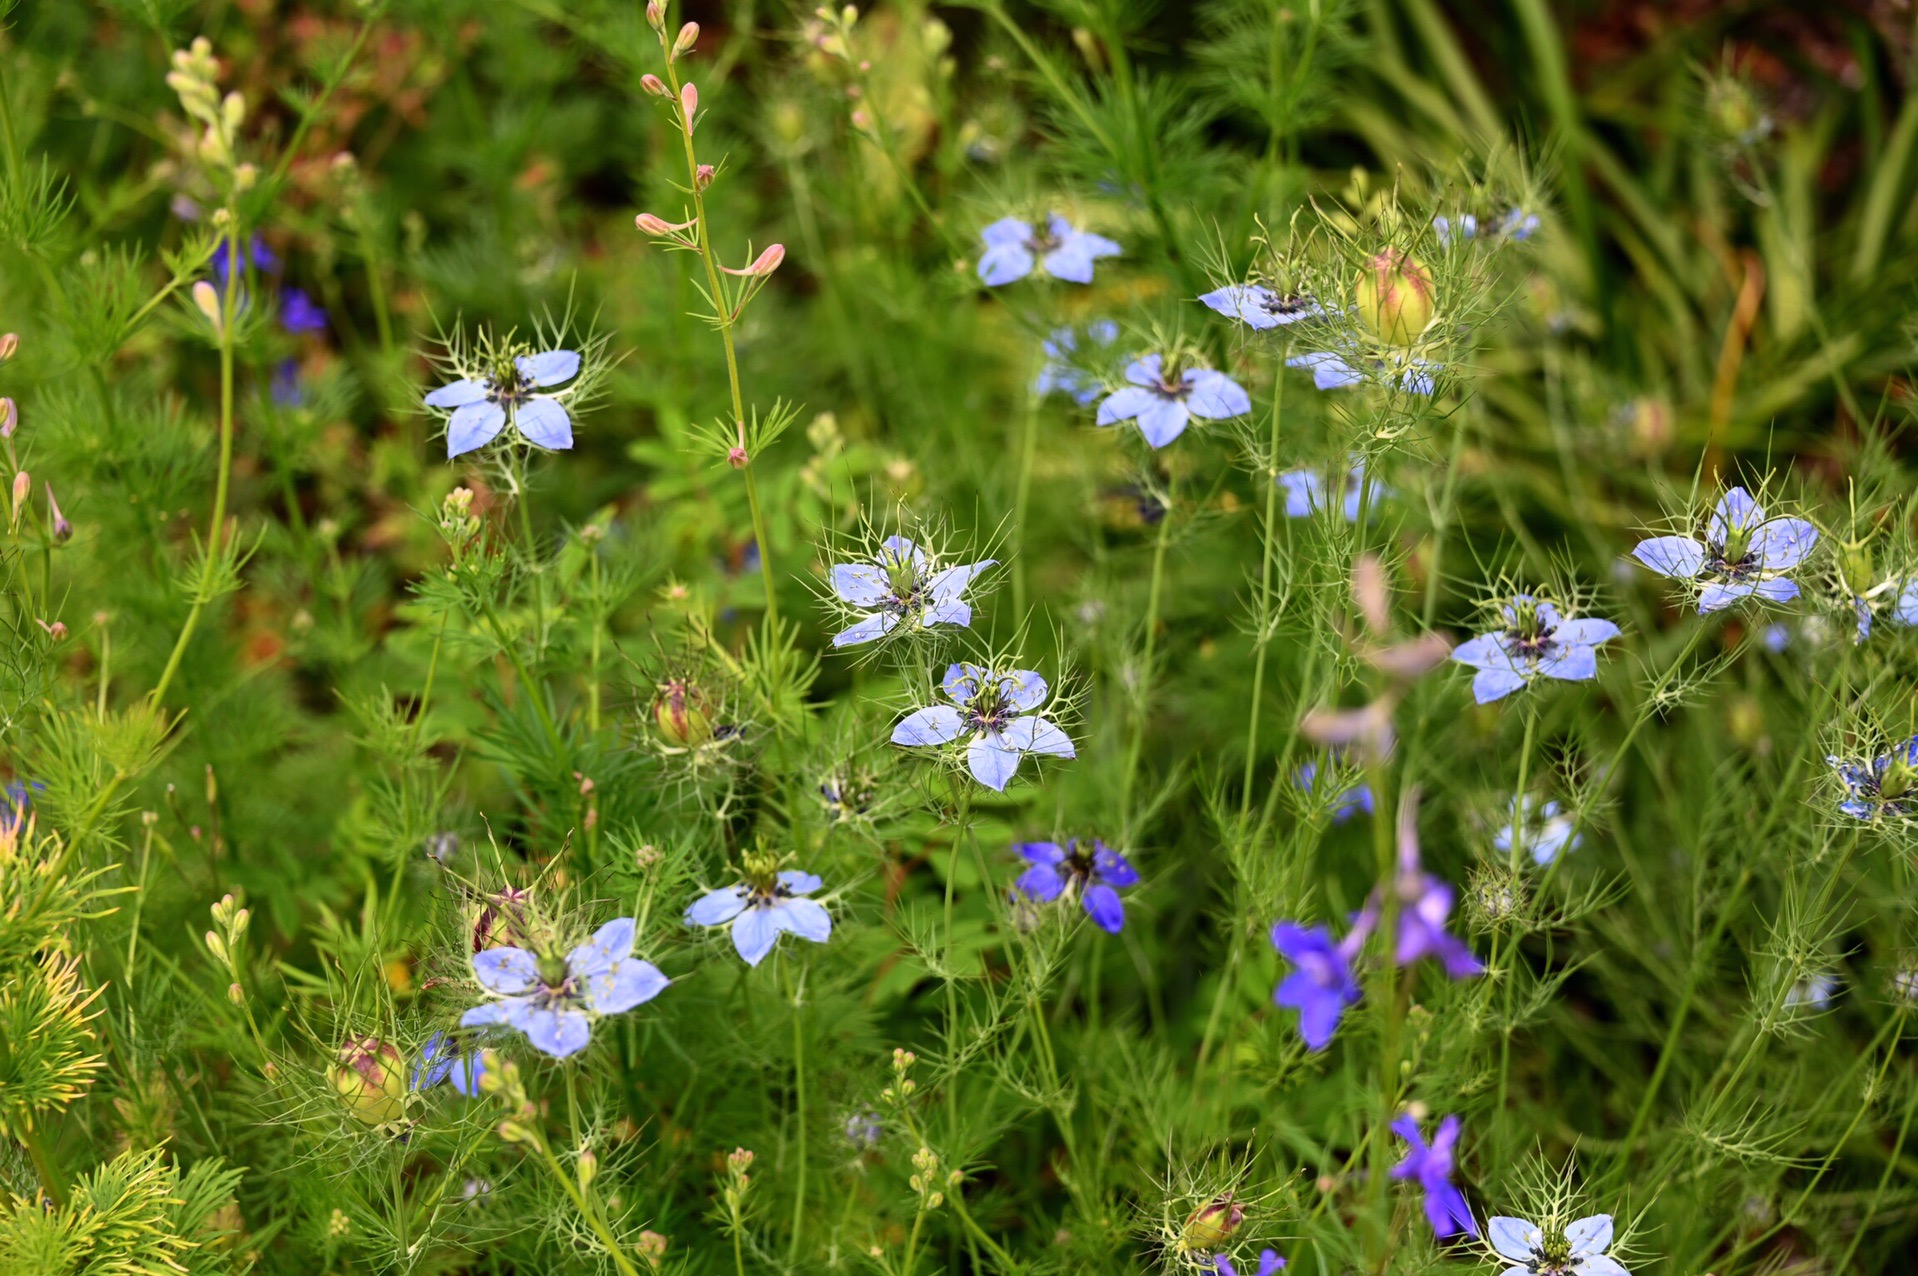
(1270, 1264)
(1813, 992)
(1094, 873)
(1578, 1251)
(1259, 307)
(761, 907)
(1321, 984)
(1351, 798)
(1884, 787)
(901, 589)
(1430, 1166)
(1164, 400)
(1306, 494)
(1743, 554)
(1543, 831)
(1331, 371)
(1065, 370)
(555, 999)
(1013, 248)
(991, 708)
(1536, 642)
(483, 403)
(441, 1060)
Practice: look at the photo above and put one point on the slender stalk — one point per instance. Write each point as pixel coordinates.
(1385, 993)
(532, 689)
(52, 1182)
(1511, 976)
(599, 623)
(1028, 449)
(952, 979)
(1884, 1180)
(1153, 594)
(799, 1118)
(590, 1214)
(1270, 476)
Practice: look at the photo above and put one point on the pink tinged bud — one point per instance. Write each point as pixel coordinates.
(659, 225)
(703, 176)
(56, 631)
(9, 344)
(654, 85)
(764, 264)
(688, 35)
(62, 530)
(689, 103)
(208, 302)
(736, 457)
(22, 489)
(1395, 297)
(9, 417)
(656, 15)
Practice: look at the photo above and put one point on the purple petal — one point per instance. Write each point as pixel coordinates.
(1041, 852)
(1113, 868)
(1103, 907)
(1041, 882)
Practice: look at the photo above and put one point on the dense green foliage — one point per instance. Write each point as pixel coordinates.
(275, 665)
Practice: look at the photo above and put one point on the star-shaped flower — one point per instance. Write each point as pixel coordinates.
(1259, 307)
(1093, 873)
(555, 1000)
(1163, 404)
(759, 909)
(483, 404)
(899, 588)
(1013, 248)
(1743, 554)
(1535, 643)
(1581, 1251)
(991, 708)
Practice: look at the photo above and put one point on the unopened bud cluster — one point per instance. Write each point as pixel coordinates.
(195, 79)
(926, 1181)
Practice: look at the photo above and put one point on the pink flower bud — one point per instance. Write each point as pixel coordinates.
(654, 85)
(764, 264)
(9, 344)
(656, 15)
(659, 225)
(62, 530)
(703, 176)
(9, 417)
(22, 488)
(689, 102)
(736, 457)
(687, 35)
(56, 631)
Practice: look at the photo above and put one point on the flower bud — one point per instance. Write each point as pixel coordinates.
(654, 85)
(737, 457)
(681, 712)
(235, 994)
(762, 265)
(62, 530)
(1212, 1224)
(703, 176)
(56, 631)
(651, 1247)
(216, 946)
(1855, 563)
(9, 415)
(9, 344)
(689, 102)
(656, 15)
(511, 1131)
(370, 1079)
(208, 302)
(588, 1166)
(22, 489)
(739, 1159)
(688, 34)
(1395, 298)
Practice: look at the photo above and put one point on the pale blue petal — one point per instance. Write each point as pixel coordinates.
(1487, 651)
(806, 918)
(1145, 370)
(1004, 264)
(936, 725)
(1070, 261)
(1216, 396)
(549, 367)
(472, 426)
(557, 1032)
(1123, 405)
(506, 971)
(458, 394)
(1495, 684)
(949, 583)
(1717, 596)
(754, 934)
(544, 421)
(496, 1014)
(1302, 488)
(1907, 608)
(1776, 591)
(1784, 543)
(1599, 1265)
(1589, 1236)
(963, 682)
(1587, 631)
(949, 613)
(1036, 735)
(1514, 1238)
(992, 763)
(1680, 557)
(877, 625)
(1572, 664)
(861, 584)
(799, 882)
(716, 908)
(1023, 689)
(905, 551)
(626, 985)
(1007, 230)
(1736, 509)
(609, 944)
(1163, 420)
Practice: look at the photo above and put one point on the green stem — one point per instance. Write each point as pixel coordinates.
(1385, 992)
(531, 689)
(1144, 705)
(1269, 474)
(799, 1120)
(1884, 1181)
(51, 1180)
(1028, 449)
(590, 1214)
(952, 979)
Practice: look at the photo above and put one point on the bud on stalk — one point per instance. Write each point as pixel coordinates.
(1395, 297)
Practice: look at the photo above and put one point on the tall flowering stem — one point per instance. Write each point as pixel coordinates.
(1270, 475)
(1144, 697)
(724, 317)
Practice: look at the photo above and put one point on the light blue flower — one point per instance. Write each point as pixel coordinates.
(1351, 798)
(1518, 224)
(1535, 643)
(1305, 492)
(757, 911)
(1886, 785)
(1814, 991)
(1270, 1264)
(900, 588)
(1013, 249)
(1583, 1252)
(441, 1060)
(1541, 835)
(992, 709)
(555, 1000)
(1259, 307)
(1061, 373)
(1163, 405)
(483, 405)
(1744, 554)
(1466, 227)
(1330, 371)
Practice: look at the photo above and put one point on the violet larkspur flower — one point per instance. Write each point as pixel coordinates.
(1887, 785)
(899, 588)
(1093, 873)
(1259, 307)
(1305, 492)
(1061, 373)
(261, 256)
(1535, 643)
(482, 406)
(1431, 1167)
(441, 1060)
(1269, 1264)
(554, 1000)
(1013, 249)
(1322, 984)
(1579, 1252)
(991, 707)
(1425, 905)
(298, 313)
(1743, 554)
(1351, 801)
(762, 906)
(1163, 404)
(1541, 834)
(1330, 371)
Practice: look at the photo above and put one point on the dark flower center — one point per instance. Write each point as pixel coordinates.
(1042, 242)
(505, 388)
(1172, 385)
(1529, 634)
(1290, 304)
(988, 711)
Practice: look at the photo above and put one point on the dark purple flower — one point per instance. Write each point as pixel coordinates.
(1094, 873)
(1322, 985)
(298, 313)
(1425, 905)
(263, 258)
(1269, 1264)
(1431, 1166)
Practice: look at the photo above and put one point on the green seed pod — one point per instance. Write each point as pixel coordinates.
(1395, 297)
(370, 1079)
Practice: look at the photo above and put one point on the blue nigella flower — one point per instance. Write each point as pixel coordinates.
(1330, 371)
(1351, 800)
(1466, 227)
(1535, 643)
(1583, 1253)
(759, 909)
(1013, 249)
(441, 1060)
(298, 313)
(19, 794)
(285, 388)
(900, 588)
(1270, 1264)
(1776, 638)
(1815, 991)
(862, 1129)
(1743, 554)
(1542, 835)
(1322, 984)
(1259, 307)
(1163, 405)
(1885, 786)
(1061, 373)
(1518, 224)
(1431, 1167)
(991, 707)
(1305, 492)
(1093, 873)
(482, 406)
(554, 1000)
